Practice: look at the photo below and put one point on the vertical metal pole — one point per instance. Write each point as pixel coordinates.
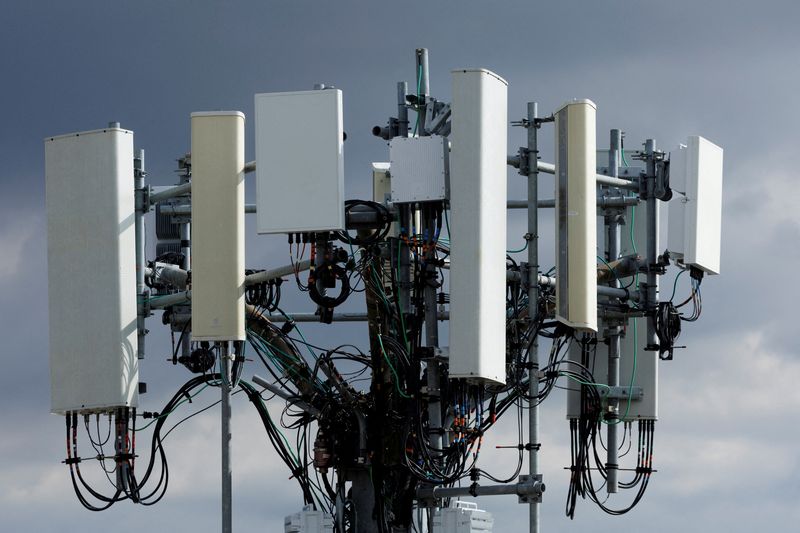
(225, 391)
(185, 229)
(533, 300)
(140, 209)
(422, 87)
(652, 243)
(402, 110)
(613, 248)
(404, 283)
(432, 339)
(422, 71)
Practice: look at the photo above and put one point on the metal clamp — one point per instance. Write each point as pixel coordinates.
(530, 489)
(621, 393)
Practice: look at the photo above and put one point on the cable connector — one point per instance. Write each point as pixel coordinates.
(696, 273)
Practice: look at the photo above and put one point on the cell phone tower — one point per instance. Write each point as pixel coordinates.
(396, 451)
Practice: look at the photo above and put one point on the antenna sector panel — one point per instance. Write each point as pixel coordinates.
(218, 226)
(478, 226)
(91, 271)
(576, 215)
(299, 161)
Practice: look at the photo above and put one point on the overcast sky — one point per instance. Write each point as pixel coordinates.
(726, 442)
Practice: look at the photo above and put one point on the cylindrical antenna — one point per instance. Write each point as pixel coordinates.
(402, 110)
(422, 72)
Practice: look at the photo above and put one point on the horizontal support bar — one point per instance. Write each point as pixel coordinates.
(275, 273)
(621, 268)
(602, 290)
(171, 192)
(165, 194)
(337, 317)
(357, 217)
(527, 488)
(550, 168)
(621, 393)
(602, 201)
(161, 302)
(361, 218)
(169, 273)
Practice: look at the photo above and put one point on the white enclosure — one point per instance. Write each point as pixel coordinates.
(419, 168)
(478, 225)
(695, 212)
(299, 161)
(91, 271)
(576, 215)
(462, 517)
(218, 226)
(308, 521)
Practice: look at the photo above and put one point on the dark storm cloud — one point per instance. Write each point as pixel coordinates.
(725, 70)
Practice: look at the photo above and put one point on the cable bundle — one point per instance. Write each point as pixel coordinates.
(266, 294)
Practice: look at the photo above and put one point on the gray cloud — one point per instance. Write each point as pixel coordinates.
(720, 69)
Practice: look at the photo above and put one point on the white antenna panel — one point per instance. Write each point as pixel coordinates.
(91, 270)
(478, 226)
(299, 161)
(695, 211)
(218, 226)
(419, 168)
(576, 215)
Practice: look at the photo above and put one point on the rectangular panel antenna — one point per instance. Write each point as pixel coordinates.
(478, 226)
(695, 211)
(299, 161)
(91, 271)
(576, 216)
(218, 226)
(419, 168)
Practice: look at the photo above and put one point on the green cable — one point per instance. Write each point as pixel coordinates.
(394, 372)
(675, 285)
(288, 317)
(589, 383)
(269, 348)
(610, 268)
(633, 377)
(518, 251)
(379, 286)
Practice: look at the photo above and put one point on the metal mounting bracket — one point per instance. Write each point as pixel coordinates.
(621, 393)
(530, 488)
